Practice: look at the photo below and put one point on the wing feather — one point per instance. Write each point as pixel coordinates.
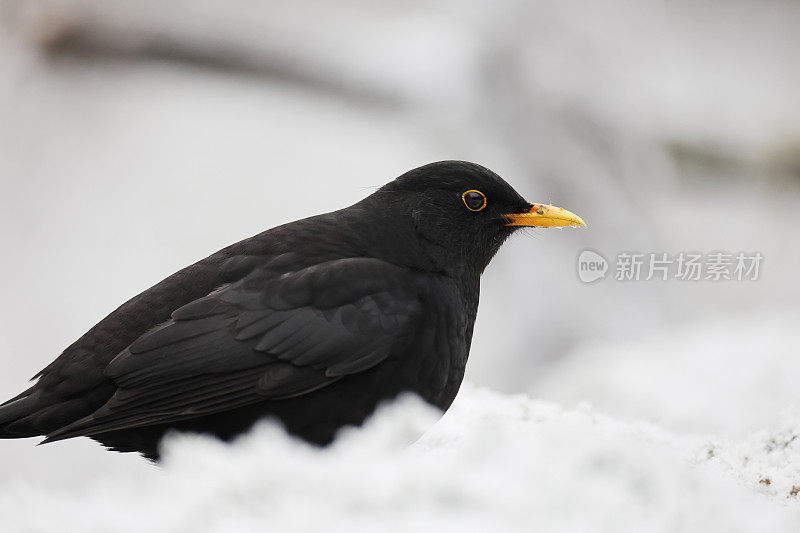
(269, 336)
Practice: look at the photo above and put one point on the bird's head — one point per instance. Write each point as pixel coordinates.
(460, 212)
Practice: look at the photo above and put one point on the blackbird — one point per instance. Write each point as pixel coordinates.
(312, 323)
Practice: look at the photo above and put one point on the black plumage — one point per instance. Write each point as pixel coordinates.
(314, 323)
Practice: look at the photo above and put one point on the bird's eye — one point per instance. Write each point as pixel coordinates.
(474, 200)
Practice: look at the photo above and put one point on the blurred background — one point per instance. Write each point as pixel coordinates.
(139, 137)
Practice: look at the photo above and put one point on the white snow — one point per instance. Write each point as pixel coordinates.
(492, 463)
(727, 376)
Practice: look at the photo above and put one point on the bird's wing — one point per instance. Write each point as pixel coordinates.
(271, 335)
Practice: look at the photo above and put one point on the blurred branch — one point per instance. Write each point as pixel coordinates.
(246, 38)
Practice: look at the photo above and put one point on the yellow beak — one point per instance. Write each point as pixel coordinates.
(545, 216)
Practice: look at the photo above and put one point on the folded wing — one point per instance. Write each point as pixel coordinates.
(269, 336)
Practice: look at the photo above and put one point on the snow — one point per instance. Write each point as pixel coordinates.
(728, 375)
(493, 462)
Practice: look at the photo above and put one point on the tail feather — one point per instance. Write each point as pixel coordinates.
(13, 411)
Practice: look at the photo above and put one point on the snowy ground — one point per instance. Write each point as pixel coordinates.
(493, 463)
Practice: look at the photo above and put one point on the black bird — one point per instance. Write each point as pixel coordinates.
(314, 322)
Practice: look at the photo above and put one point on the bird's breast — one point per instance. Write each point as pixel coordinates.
(434, 359)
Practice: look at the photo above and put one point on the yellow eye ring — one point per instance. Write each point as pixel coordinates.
(474, 200)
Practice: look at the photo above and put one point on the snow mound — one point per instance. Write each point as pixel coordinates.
(728, 376)
(492, 463)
